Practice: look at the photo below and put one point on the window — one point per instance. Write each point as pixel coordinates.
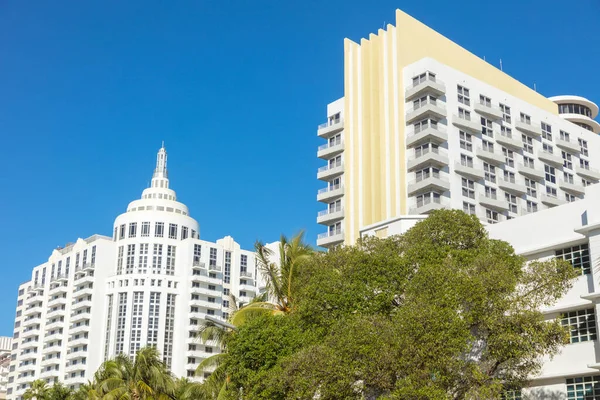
(527, 143)
(491, 216)
(526, 119)
(583, 147)
(509, 176)
(423, 77)
(567, 160)
(422, 200)
(506, 131)
(468, 188)
(585, 164)
(487, 146)
(546, 131)
(583, 388)
(426, 173)
(469, 208)
(466, 161)
(170, 267)
(426, 148)
(531, 206)
(509, 157)
(568, 177)
(157, 258)
(570, 198)
(578, 256)
(490, 192)
(490, 172)
(586, 182)
(466, 141)
(143, 259)
(120, 260)
(550, 173)
(184, 232)
(505, 113)
(132, 229)
(172, 231)
(565, 136)
(550, 191)
(547, 148)
(145, 229)
(582, 325)
(512, 202)
(122, 232)
(424, 124)
(486, 101)
(130, 259)
(486, 127)
(574, 109)
(514, 394)
(210, 312)
(159, 229)
(528, 162)
(464, 114)
(463, 95)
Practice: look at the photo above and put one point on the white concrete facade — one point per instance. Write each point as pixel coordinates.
(151, 283)
(469, 146)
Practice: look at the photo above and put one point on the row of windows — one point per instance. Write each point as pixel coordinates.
(172, 232)
(57, 270)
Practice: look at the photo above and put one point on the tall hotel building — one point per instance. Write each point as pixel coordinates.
(424, 124)
(151, 283)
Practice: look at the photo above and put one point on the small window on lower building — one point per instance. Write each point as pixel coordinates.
(191, 373)
(584, 388)
(578, 256)
(581, 325)
(514, 394)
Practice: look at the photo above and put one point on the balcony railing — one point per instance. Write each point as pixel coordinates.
(329, 189)
(330, 211)
(428, 200)
(419, 152)
(427, 77)
(330, 166)
(422, 104)
(329, 123)
(329, 234)
(330, 144)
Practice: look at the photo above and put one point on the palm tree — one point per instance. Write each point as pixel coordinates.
(278, 274)
(38, 391)
(58, 391)
(147, 377)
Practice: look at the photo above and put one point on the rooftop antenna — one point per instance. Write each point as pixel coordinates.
(534, 87)
(501, 65)
(483, 58)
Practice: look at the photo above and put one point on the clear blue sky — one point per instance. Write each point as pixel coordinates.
(88, 89)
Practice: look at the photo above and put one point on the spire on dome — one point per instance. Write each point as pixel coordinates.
(160, 178)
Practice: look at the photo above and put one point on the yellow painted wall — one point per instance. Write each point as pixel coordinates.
(367, 136)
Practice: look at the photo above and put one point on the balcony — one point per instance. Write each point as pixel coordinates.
(466, 124)
(78, 342)
(52, 373)
(33, 320)
(75, 367)
(571, 186)
(567, 145)
(34, 331)
(531, 172)
(428, 85)
(588, 173)
(29, 345)
(426, 206)
(82, 316)
(509, 141)
(429, 108)
(84, 278)
(552, 201)
(516, 185)
(330, 171)
(492, 201)
(50, 361)
(214, 267)
(330, 238)
(329, 150)
(330, 193)
(428, 156)
(432, 182)
(434, 133)
(246, 274)
(54, 336)
(56, 324)
(490, 156)
(57, 301)
(57, 288)
(469, 170)
(81, 304)
(199, 264)
(330, 128)
(60, 278)
(55, 312)
(86, 291)
(330, 215)
(550, 158)
(533, 130)
(488, 110)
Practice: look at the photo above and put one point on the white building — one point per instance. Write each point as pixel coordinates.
(151, 283)
(424, 124)
(5, 351)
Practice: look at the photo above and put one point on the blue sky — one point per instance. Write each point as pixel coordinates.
(88, 90)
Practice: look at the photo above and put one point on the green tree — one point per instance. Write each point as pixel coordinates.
(441, 312)
(39, 390)
(147, 377)
(58, 391)
(279, 270)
